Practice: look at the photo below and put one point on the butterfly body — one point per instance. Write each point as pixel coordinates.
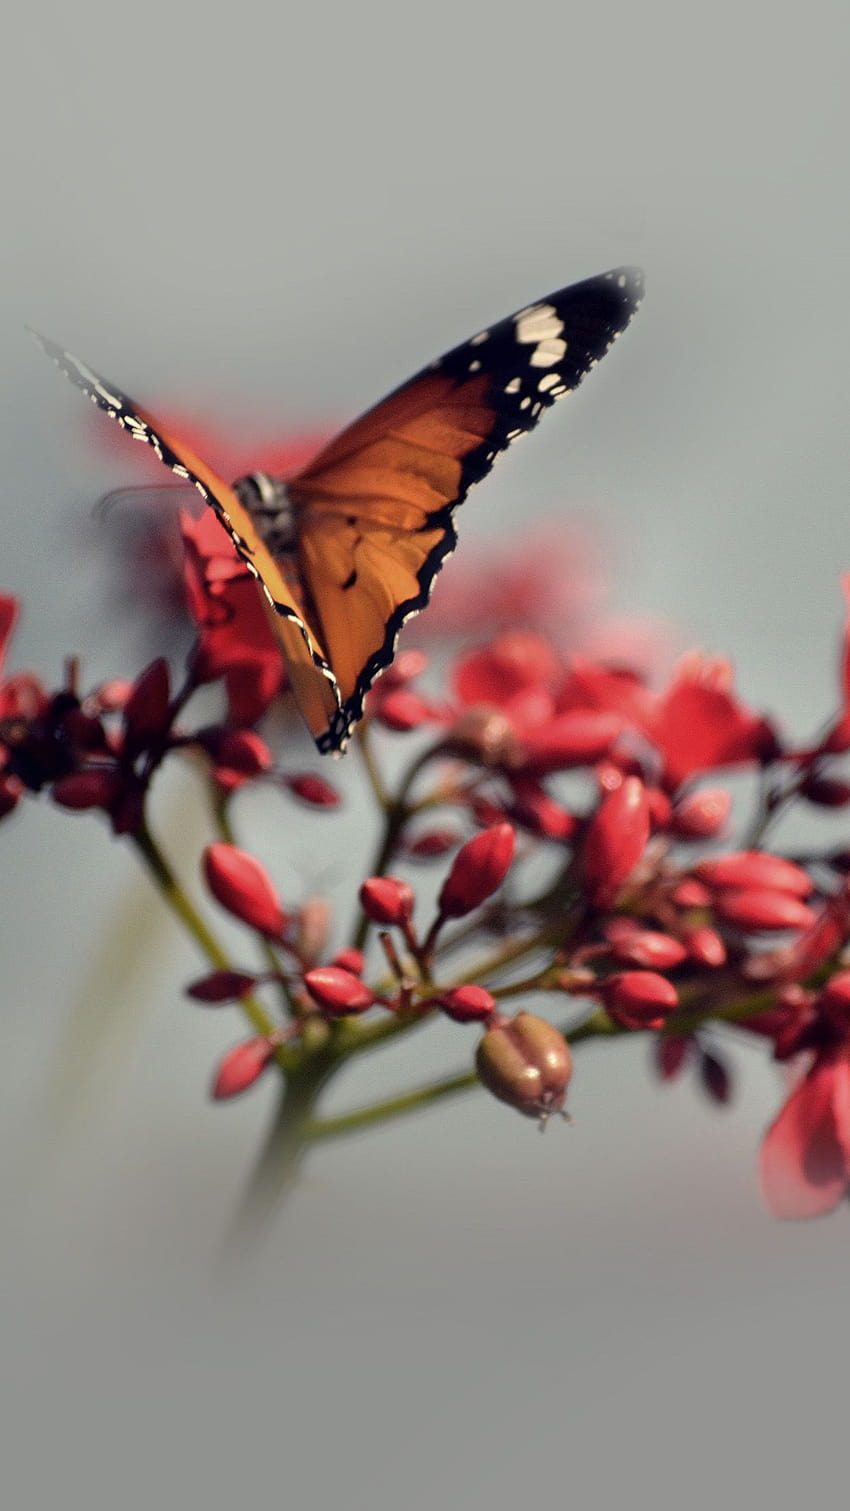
(348, 549)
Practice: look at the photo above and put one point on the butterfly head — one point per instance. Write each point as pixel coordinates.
(267, 502)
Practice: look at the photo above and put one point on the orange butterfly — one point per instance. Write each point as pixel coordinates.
(348, 549)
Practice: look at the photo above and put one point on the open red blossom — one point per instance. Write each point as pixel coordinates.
(615, 840)
(805, 1157)
(235, 639)
(478, 870)
(699, 724)
(244, 888)
(241, 1067)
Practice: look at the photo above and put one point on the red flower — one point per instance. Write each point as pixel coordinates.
(235, 640)
(805, 1158)
(244, 888)
(699, 724)
(478, 870)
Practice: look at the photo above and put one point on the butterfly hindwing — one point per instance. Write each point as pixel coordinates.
(375, 507)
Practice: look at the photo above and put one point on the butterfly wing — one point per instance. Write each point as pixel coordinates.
(375, 507)
(313, 683)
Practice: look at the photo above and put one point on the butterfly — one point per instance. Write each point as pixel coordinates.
(348, 549)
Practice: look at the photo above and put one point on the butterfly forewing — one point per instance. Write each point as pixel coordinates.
(375, 507)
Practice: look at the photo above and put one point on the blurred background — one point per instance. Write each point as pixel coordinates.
(264, 218)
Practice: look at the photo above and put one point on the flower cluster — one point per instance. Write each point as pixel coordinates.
(595, 880)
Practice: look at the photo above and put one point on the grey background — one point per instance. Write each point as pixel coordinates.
(269, 216)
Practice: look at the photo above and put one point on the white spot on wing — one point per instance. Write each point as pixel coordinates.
(548, 352)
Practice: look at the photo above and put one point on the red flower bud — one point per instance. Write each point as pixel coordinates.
(88, 789)
(350, 960)
(537, 811)
(527, 1063)
(715, 1078)
(702, 815)
(406, 666)
(241, 1067)
(385, 899)
(671, 1053)
(402, 710)
(577, 738)
(312, 927)
(488, 736)
(314, 790)
(479, 869)
(336, 991)
(834, 1000)
(755, 869)
(221, 986)
(639, 999)
(244, 888)
(753, 910)
(468, 1004)
(705, 946)
(660, 809)
(615, 840)
(691, 894)
(432, 843)
(646, 947)
(238, 754)
(147, 711)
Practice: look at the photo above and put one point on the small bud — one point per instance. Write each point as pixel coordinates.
(645, 947)
(702, 815)
(537, 811)
(754, 910)
(147, 711)
(705, 946)
(241, 1067)
(244, 888)
(639, 999)
(337, 992)
(88, 789)
(401, 710)
(468, 1004)
(405, 668)
(432, 843)
(755, 869)
(239, 755)
(671, 1053)
(221, 986)
(526, 1062)
(615, 840)
(312, 927)
(313, 790)
(486, 735)
(385, 899)
(691, 894)
(834, 1000)
(826, 792)
(350, 960)
(715, 1078)
(479, 869)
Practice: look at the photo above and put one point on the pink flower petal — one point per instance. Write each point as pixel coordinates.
(805, 1158)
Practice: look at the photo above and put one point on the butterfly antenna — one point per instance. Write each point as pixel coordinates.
(109, 501)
